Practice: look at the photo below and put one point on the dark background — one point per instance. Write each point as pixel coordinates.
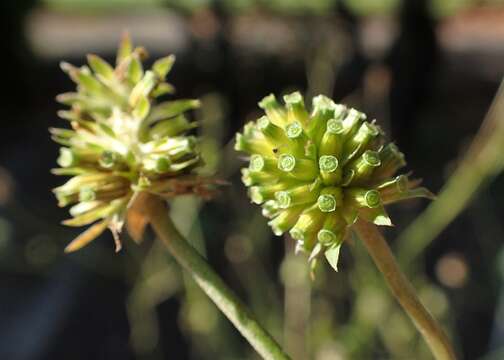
(427, 71)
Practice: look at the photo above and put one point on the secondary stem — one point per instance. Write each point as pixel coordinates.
(404, 291)
(211, 283)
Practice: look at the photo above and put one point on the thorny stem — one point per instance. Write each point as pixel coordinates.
(211, 283)
(403, 291)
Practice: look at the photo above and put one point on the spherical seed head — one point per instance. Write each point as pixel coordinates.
(122, 140)
(332, 166)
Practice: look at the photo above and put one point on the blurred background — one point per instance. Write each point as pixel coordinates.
(426, 70)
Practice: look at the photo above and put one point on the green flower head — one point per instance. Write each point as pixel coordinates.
(314, 173)
(122, 141)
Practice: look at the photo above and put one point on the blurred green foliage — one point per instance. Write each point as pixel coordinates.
(359, 7)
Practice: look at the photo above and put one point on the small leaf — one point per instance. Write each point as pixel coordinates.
(142, 108)
(87, 236)
(171, 127)
(71, 70)
(101, 67)
(69, 115)
(143, 88)
(68, 98)
(163, 89)
(70, 171)
(163, 66)
(332, 256)
(125, 48)
(89, 83)
(135, 71)
(170, 109)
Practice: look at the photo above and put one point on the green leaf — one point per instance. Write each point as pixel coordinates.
(101, 67)
(125, 48)
(69, 115)
(171, 127)
(142, 108)
(162, 89)
(71, 70)
(135, 70)
(70, 171)
(89, 83)
(163, 66)
(332, 256)
(143, 88)
(170, 109)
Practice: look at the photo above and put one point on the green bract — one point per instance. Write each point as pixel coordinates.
(122, 141)
(315, 173)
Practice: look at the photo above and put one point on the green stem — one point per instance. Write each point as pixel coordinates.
(403, 291)
(481, 163)
(211, 283)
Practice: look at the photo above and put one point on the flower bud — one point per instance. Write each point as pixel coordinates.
(274, 134)
(298, 195)
(332, 140)
(275, 112)
(302, 169)
(296, 108)
(329, 169)
(123, 140)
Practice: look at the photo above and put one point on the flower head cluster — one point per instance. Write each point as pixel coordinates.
(315, 173)
(122, 141)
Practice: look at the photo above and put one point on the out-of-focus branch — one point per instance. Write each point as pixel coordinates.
(482, 162)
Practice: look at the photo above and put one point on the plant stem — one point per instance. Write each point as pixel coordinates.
(211, 283)
(482, 162)
(404, 291)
